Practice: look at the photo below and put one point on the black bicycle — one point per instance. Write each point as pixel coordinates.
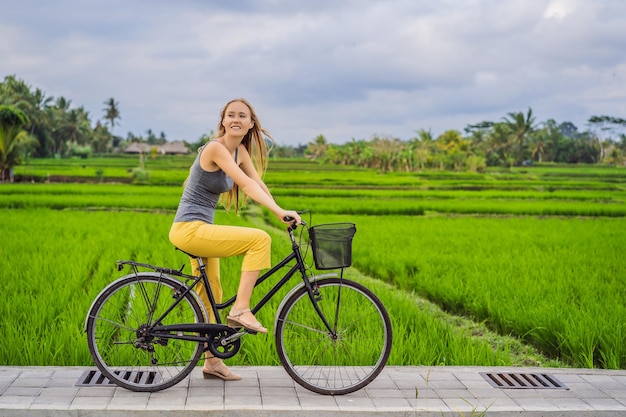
(148, 330)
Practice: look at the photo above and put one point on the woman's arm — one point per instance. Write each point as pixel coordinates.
(248, 181)
(246, 165)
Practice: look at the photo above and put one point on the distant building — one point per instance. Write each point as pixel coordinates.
(137, 147)
(168, 148)
(174, 148)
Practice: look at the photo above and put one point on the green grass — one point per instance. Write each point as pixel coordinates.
(51, 280)
(507, 267)
(554, 282)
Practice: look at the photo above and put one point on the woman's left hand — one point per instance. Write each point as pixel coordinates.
(290, 217)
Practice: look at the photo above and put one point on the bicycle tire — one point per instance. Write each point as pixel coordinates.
(338, 362)
(115, 319)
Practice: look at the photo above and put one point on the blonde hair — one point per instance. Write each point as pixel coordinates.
(255, 144)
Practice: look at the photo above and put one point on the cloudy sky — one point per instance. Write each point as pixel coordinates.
(346, 69)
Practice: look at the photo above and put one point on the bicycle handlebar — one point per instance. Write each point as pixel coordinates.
(293, 226)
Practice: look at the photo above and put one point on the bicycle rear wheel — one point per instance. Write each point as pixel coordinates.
(117, 342)
(344, 359)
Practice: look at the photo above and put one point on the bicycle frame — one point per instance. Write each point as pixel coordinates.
(206, 329)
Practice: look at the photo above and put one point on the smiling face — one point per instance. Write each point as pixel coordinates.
(237, 119)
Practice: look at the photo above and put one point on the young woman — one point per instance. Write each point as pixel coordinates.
(233, 161)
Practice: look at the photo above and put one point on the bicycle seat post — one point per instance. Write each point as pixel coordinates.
(201, 264)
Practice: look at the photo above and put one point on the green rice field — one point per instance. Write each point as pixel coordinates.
(514, 267)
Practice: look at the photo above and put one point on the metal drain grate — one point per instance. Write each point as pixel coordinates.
(523, 380)
(93, 378)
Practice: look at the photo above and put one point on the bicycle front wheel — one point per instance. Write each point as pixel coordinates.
(344, 358)
(116, 332)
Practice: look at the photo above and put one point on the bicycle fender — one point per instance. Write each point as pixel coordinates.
(140, 274)
(297, 287)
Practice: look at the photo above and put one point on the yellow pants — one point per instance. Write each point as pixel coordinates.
(211, 242)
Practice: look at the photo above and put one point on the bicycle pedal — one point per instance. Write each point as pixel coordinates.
(232, 338)
(242, 331)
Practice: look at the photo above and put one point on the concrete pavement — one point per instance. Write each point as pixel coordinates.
(269, 391)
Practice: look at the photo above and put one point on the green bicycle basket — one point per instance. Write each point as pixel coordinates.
(332, 245)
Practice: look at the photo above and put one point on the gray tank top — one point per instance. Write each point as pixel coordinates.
(201, 193)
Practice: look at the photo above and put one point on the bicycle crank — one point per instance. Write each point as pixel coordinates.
(225, 343)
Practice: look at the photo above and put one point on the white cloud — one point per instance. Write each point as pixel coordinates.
(346, 69)
(560, 9)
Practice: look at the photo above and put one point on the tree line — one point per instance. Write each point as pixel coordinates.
(33, 124)
(61, 129)
(515, 140)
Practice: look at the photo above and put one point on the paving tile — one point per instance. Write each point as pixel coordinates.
(617, 393)
(525, 393)
(235, 402)
(319, 402)
(29, 382)
(464, 405)
(16, 402)
(430, 405)
(346, 403)
(392, 404)
(535, 404)
(23, 391)
(52, 403)
(604, 404)
(277, 382)
(285, 392)
(281, 402)
(236, 391)
(127, 403)
(488, 392)
(384, 393)
(571, 404)
(173, 393)
(426, 393)
(122, 392)
(205, 392)
(204, 403)
(412, 383)
(90, 403)
(502, 405)
(96, 391)
(446, 384)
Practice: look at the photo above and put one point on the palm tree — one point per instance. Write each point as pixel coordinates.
(33, 103)
(14, 139)
(522, 126)
(71, 126)
(547, 141)
(111, 112)
(78, 128)
(101, 138)
(454, 148)
(318, 147)
(40, 122)
(498, 144)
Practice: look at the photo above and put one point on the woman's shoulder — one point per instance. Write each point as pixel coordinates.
(213, 147)
(212, 144)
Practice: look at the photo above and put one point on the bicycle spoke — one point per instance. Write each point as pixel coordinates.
(293, 323)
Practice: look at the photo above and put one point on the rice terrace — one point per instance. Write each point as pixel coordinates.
(509, 266)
